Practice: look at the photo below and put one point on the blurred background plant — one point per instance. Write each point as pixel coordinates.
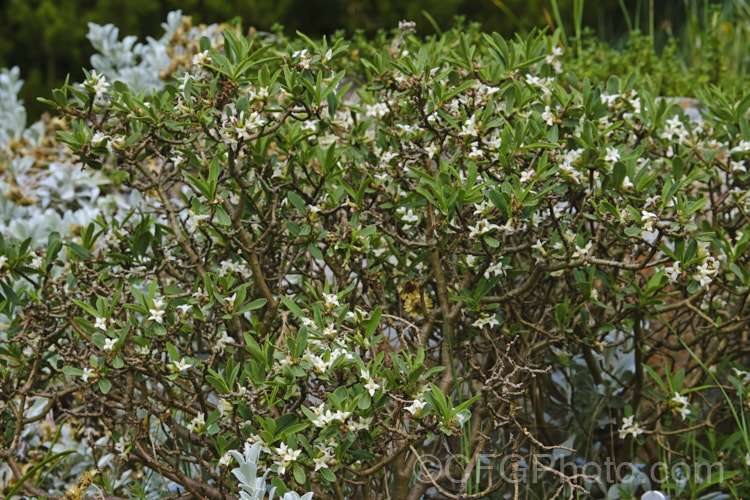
(691, 44)
(687, 42)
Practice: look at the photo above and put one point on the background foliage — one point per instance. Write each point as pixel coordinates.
(47, 38)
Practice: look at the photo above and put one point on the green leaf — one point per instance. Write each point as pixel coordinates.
(677, 169)
(373, 322)
(293, 307)
(174, 354)
(104, 385)
(222, 218)
(438, 400)
(71, 371)
(86, 308)
(458, 409)
(656, 378)
(218, 382)
(297, 201)
(491, 241)
(327, 474)
(253, 348)
(80, 251)
(299, 474)
(364, 402)
(252, 306)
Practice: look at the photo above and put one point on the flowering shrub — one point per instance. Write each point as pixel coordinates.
(401, 273)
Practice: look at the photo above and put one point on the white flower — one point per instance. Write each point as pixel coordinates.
(331, 300)
(225, 460)
(177, 159)
(101, 323)
(121, 446)
(98, 138)
(181, 365)
(609, 99)
(582, 251)
(416, 407)
(330, 332)
(483, 226)
(87, 372)
(636, 103)
(253, 439)
(115, 143)
(308, 323)
(675, 128)
(470, 127)
(362, 425)
(495, 269)
(548, 117)
(626, 183)
(156, 315)
(97, 83)
(486, 319)
(198, 423)
(378, 110)
(673, 273)
(37, 262)
(527, 175)
(223, 341)
(706, 272)
(681, 404)
(341, 415)
(319, 364)
(539, 247)
(648, 219)
(738, 166)
(184, 308)
(613, 155)
(194, 221)
(542, 83)
(410, 217)
(371, 385)
(566, 169)
(287, 453)
(629, 427)
(109, 344)
(224, 407)
(285, 457)
(320, 462)
(742, 375)
(201, 58)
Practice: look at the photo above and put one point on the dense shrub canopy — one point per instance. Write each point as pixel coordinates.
(380, 271)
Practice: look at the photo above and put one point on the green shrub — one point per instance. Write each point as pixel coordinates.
(400, 272)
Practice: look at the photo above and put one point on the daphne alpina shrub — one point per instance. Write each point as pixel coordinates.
(391, 272)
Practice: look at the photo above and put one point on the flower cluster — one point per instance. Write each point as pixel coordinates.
(630, 428)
